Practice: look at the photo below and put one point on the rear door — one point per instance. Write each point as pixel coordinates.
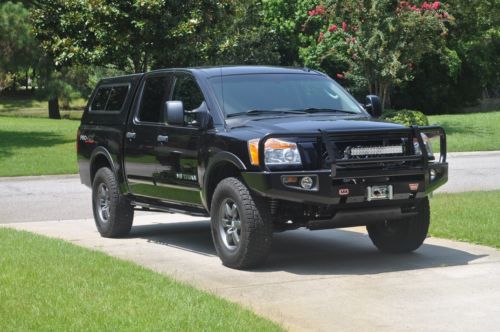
(141, 139)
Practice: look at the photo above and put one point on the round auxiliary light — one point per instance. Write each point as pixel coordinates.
(306, 182)
(432, 174)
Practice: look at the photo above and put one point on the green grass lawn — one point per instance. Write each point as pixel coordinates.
(30, 146)
(470, 132)
(472, 217)
(31, 107)
(51, 285)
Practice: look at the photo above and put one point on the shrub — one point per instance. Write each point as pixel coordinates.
(406, 117)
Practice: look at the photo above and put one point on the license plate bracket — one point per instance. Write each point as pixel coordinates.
(379, 192)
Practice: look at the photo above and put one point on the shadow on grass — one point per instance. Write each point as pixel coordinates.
(303, 252)
(12, 140)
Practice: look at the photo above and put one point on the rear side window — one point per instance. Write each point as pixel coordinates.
(100, 99)
(155, 94)
(117, 98)
(110, 98)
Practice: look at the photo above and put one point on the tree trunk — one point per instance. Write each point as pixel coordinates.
(54, 109)
(33, 79)
(136, 61)
(27, 79)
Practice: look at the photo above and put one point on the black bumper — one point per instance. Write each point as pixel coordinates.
(346, 181)
(332, 190)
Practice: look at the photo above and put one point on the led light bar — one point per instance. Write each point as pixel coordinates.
(376, 150)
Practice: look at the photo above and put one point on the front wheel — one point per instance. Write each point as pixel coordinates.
(402, 236)
(113, 213)
(241, 228)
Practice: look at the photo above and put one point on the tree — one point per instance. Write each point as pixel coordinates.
(246, 38)
(476, 40)
(374, 45)
(285, 18)
(18, 47)
(128, 34)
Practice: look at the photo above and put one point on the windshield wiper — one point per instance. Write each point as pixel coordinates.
(326, 110)
(258, 112)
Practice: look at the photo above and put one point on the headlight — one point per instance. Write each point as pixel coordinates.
(276, 152)
(427, 143)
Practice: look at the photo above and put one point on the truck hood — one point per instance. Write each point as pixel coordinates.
(308, 123)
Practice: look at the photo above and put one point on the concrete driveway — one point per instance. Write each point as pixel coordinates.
(319, 281)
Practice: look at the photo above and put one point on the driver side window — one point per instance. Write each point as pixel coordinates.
(187, 90)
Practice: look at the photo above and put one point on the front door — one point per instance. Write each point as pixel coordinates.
(177, 155)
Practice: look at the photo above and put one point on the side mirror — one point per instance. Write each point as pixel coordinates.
(173, 113)
(200, 117)
(373, 105)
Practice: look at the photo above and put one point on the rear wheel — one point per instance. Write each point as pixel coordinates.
(113, 213)
(402, 236)
(241, 228)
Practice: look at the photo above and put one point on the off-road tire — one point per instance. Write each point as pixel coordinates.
(402, 236)
(256, 226)
(121, 213)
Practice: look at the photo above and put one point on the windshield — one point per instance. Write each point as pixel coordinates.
(281, 93)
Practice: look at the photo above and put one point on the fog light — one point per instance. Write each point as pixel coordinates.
(290, 180)
(432, 174)
(306, 182)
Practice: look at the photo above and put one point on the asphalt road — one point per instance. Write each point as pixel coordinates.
(64, 198)
(44, 198)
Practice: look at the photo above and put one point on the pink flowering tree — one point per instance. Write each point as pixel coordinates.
(373, 45)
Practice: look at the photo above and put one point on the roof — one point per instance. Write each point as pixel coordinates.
(218, 71)
(241, 70)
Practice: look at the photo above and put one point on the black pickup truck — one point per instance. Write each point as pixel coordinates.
(259, 150)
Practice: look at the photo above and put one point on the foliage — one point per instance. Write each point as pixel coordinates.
(18, 47)
(128, 34)
(285, 18)
(374, 44)
(250, 40)
(435, 57)
(406, 117)
(475, 39)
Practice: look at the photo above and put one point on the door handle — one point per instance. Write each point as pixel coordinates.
(130, 135)
(162, 139)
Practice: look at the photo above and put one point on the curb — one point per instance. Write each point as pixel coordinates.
(39, 177)
(474, 154)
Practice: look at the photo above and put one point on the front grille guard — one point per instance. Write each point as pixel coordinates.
(412, 132)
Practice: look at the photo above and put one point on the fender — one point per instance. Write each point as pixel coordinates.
(215, 160)
(115, 167)
(100, 150)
